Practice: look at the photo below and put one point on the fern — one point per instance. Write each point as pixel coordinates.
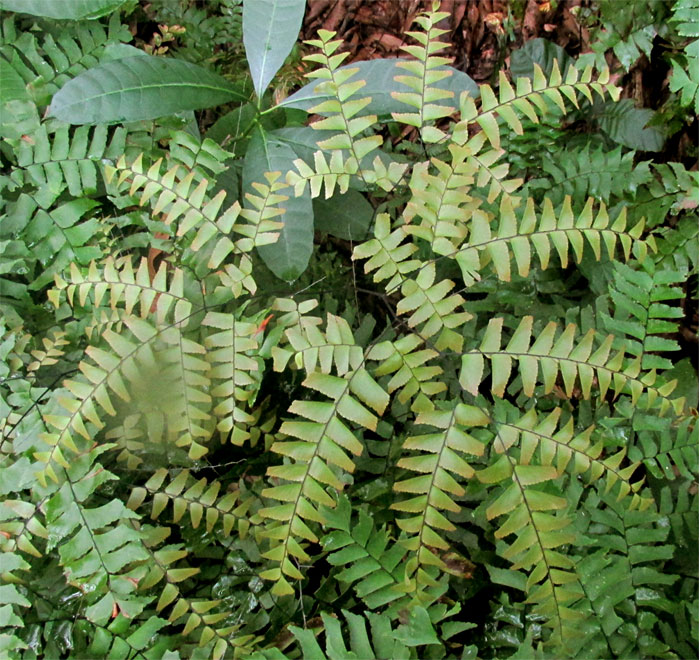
(197, 460)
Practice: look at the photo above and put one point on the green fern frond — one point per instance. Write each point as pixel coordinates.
(529, 97)
(410, 375)
(435, 488)
(667, 451)
(235, 371)
(537, 519)
(623, 574)
(117, 279)
(584, 172)
(371, 560)
(46, 65)
(54, 158)
(201, 499)
(563, 356)
(194, 614)
(643, 317)
(321, 440)
(422, 75)
(428, 302)
(560, 230)
(341, 109)
(96, 547)
(60, 232)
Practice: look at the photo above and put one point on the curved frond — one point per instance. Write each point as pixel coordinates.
(320, 441)
(435, 488)
(410, 375)
(550, 357)
(529, 98)
(200, 498)
(517, 236)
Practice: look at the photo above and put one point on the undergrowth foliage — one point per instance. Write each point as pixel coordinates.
(195, 466)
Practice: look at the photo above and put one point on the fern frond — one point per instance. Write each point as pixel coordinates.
(582, 454)
(642, 312)
(560, 230)
(435, 489)
(371, 560)
(429, 303)
(315, 351)
(667, 452)
(201, 499)
(322, 439)
(411, 376)
(623, 574)
(178, 410)
(236, 372)
(583, 173)
(529, 97)
(46, 65)
(60, 232)
(445, 201)
(181, 201)
(124, 286)
(94, 545)
(422, 75)
(341, 108)
(196, 615)
(564, 357)
(54, 158)
(537, 519)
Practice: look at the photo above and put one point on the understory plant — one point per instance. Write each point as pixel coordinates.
(399, 380)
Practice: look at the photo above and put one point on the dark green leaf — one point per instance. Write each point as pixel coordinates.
(346, 216)
(627, 125)
(289, 256)
(541, 52)
(76, 10)
(138, 88)
(379, 76)
(270, 30)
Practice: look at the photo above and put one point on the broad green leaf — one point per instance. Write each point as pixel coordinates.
(379, 76)
(270, 30)
(138, 88)
(346, 216)
(289, 256)
(76, 10)
(541, 52)
(627, 125)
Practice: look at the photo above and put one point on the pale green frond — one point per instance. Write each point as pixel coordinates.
(235, 371)
(411, 377)
(543, 357)
(440, 460)
(516, 233)
(423, 72)
(116, 284)
(159, 375)
(314, 350)
(531, 98)
(320, 443)
(183, 201)
(201, 499)
(545, 441)
(340, 109)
